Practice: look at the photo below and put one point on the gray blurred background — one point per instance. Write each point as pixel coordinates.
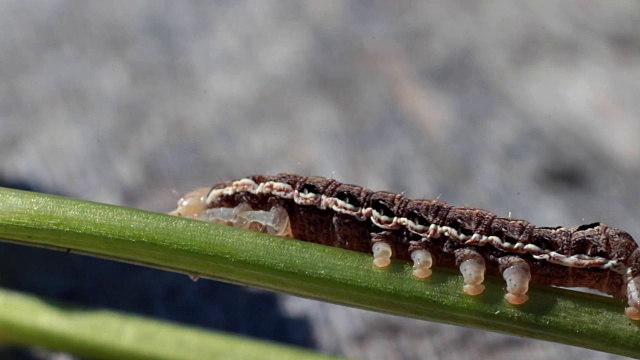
(526, 108)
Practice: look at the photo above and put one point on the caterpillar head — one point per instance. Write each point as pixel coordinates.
(192, 204)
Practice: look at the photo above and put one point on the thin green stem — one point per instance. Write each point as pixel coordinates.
(27, 320)
(310, 270)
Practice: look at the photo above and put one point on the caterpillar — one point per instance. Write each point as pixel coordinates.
(427, 232)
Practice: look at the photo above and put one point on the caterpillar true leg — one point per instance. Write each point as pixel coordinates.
(275, 221)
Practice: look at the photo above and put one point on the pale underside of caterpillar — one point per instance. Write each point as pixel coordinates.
(389, 225)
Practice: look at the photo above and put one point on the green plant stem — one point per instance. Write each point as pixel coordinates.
(311, 270)
(27, 320)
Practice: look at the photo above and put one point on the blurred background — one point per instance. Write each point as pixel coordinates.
(525, 108)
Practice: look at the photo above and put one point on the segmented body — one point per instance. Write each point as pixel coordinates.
(328, 212)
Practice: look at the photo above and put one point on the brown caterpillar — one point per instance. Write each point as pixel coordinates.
(325, 211)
